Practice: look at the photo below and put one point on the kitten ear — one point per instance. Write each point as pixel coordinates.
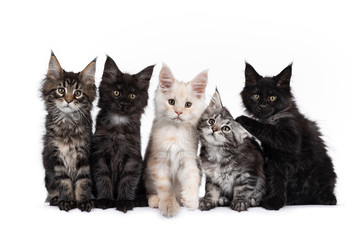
(111, 70)
(283, 78)
(251, 76)
(215, 101)
(144, 76)
(88, 74)
(199, 83)
(166, 79)
(55, 71)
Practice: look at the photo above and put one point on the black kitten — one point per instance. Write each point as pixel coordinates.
(116, 162)
(231, 159)
(298, 168)
(68, 100)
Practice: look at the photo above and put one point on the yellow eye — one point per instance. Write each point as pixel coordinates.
(171, 101)
(132, 96)
(77, 93)
(256, 96)
(225, 129)
(188, 104)
(116, 93)
(272, 98)
(61, 91)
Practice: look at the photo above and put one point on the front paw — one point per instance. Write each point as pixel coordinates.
(239, 205)
(243, 120)
(273, 203)
(86, 205)
(190, 199)
(66, 205)
(124, 205)
(104, 203)
(54, 201)
(206, 204)
(169, 207)
(224, 201)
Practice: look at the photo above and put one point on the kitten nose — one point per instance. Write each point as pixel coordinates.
(69, 98)
(178, 113)
(214, 128)
(262, 105)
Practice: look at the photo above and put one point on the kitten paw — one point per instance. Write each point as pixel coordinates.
(153, 201)
(273, 203)
(224, 201)
(54, 201)
(239, 205)
(168, 207)
(66, 205)
(86, 205)
(124, 205)
(190, 200)
(104, 203)
(206, 204)
(254, 202)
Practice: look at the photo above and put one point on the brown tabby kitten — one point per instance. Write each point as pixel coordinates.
(68, 100)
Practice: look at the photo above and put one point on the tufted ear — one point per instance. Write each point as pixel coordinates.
(251, 76)
(199, 83)
(166, 79)
(111, 70)
(144, 76)
(283, 78)
(215, 101)
(88, 74)
(55, 71)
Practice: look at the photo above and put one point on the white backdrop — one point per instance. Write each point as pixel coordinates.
(321, 38)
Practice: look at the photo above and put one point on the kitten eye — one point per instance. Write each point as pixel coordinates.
(171, 101)
(272, 98)
(188, 104)
(77, 93)
(132, 96)
(256, 96)
(116, 93)
(61, 91)
(225, 129)
(211, 121)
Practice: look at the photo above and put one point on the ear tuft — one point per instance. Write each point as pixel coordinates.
(166, 79)
(55, 70)
(111, 70)
(283, 78)
(199, 83)
(88, 74)
(251, 76)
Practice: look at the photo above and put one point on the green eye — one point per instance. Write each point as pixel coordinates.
(225, 129)
(256, 96)
(211, 121)
(77, 93)
(272, 98)
(61, 91)
(188, 104)
(171, 101)
(116, 93)
(132, 96)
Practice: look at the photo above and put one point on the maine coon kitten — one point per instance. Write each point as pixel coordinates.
(172, 174)
(68, 100)
(298, 168)
(116, 162)
(231, 159)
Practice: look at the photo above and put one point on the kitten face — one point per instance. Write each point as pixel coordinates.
(68, 92)
(265, 96)
(123, 93)
(179, 102)
(218, 128)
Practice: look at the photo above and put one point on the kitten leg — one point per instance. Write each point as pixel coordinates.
(66, 199)
(83, 184)
(128, 184)
(211, 198)
(101, 177)
(153, 201)
(52, 187)
(189, 178)
(224, 201)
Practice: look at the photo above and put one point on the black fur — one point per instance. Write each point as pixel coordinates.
(298, 168)
(68, 136)
(116, 162)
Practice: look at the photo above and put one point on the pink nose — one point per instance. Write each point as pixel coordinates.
(178, 113)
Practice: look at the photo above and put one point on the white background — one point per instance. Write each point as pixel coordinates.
(321, 38)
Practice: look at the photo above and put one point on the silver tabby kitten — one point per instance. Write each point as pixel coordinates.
(231, 159)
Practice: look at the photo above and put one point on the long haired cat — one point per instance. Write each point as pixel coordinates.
(231, 159)
(68, 100)
(172, 174)
(298, 168)
(116, 162)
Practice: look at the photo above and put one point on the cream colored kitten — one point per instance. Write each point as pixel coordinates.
(172, 174)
